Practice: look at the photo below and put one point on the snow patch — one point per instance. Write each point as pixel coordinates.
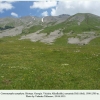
(42, 19)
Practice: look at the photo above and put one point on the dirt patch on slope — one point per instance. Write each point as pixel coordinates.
(84, 38)
(43, 37)
(52, 37)
(11, 32)
(34, 36)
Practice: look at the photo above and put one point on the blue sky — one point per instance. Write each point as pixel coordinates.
(22, 8)
(46, 8)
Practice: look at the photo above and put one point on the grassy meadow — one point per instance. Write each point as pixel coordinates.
(28, 65)
(33, 66)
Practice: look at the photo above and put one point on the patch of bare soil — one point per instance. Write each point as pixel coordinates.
(84, 38)
(43, 37)
(11, 32)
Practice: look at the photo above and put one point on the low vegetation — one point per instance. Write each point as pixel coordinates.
(52, 28)
(31, 29)
(35, 65)
(28, 65)
(6, 27)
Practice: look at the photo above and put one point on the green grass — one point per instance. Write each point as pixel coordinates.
(88, 24)
(32, 29)
(52, 28)
(28, 65)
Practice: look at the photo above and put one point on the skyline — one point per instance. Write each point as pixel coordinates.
(48, 8)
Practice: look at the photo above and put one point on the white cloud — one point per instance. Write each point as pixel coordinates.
(14, 14)
(11, 1)
(45, 13)
(73, 7)
(43, 4)
(54, 12)
(5, 6)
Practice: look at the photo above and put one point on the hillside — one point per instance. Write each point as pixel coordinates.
(78, 29)
(63, 52)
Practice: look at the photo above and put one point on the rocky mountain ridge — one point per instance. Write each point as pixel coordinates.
(77, 29)
(31, 20)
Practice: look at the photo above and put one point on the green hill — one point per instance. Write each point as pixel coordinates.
(62, 65)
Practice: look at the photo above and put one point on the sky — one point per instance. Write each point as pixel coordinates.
(48, 7)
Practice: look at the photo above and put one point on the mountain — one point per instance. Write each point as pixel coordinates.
(56, 19)
(30, 20)
(10, 21)
(82, 22)
(80, 28)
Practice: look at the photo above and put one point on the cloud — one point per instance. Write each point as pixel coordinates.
(73, 7)
(5, 6)
(14, 14)
(45, 13)
(43, 4)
